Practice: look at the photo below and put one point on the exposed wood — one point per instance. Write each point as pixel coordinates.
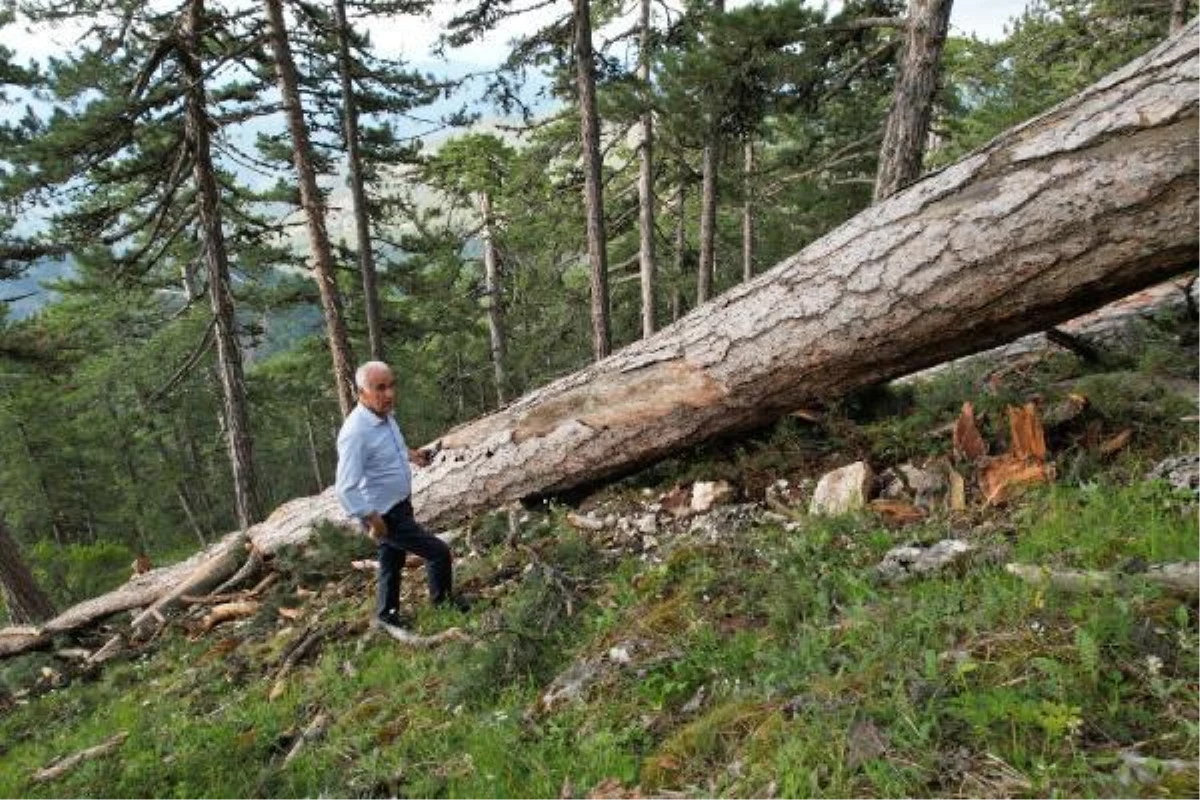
(968, 443)
(59, 767)
(313, 731)
(1182, 578)
(226, 612)
(210, 573)
(109, 651)
(1091, 201)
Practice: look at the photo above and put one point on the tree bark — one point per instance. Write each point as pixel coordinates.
(748, 209)
(362, 221)
(706, 270)
(907, 127)
(593, 197)
(314, 210)
(646, 179)
(491, 274)
(1093, 200)
(1178, 16)
(25, 600)
(229, 355)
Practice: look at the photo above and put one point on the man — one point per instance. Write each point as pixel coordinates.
(374, 484)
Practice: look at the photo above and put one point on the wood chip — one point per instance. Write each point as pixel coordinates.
(968, 444)
(1110, 446)
(1028, 440)
(897, 512)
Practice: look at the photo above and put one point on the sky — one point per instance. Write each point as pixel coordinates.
(414, 38)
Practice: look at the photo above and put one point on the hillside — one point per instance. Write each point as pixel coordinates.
(636, 642)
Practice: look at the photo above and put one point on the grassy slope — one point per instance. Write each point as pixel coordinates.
(763, 660)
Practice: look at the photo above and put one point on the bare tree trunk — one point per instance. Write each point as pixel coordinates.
(312, 450)
(1178, 16)
(229, 356)
(491, 273)
(25, 600)
(748, 209)
(314, 210)
(593, 192)
(680, 254)
(706, 271)
(1087, 203)
(907, 129)
(362, 221)
(646, 179)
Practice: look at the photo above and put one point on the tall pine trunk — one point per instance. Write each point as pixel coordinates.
(314, 209)
(362, 220)
(646, 180)
(748, 208)
(907, 128)
(25, 600)
(229, 355)
(491, 274)
(593, 193)
(706, 274)
(1178, 16)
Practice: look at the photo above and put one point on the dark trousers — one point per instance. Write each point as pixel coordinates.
(406, 536)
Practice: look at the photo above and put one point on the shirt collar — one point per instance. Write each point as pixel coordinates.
(371, 417)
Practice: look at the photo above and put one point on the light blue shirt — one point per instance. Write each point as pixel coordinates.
(372, 472)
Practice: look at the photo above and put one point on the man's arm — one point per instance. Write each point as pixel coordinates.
(351, 456)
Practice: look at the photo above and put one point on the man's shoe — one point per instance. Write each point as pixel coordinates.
(387, 622)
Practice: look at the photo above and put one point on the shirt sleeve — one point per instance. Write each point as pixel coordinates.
(351, 457)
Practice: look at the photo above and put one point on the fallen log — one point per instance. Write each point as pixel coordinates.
(211, 572)
(1182, 579)
(1093, 200)
(59, 767)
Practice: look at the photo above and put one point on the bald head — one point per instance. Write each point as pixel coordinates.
(376, 387)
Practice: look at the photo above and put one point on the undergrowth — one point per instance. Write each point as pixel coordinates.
(770, 660)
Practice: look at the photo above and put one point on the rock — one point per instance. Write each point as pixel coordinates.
(723, 521)
(706, 494)
(903, 563)
(678, 501)
(646, 524)
(843, 490)
(1181, 472)
(928, 486)
(784, 494)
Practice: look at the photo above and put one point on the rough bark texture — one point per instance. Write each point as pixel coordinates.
(593, 200)
(229, 355)
(25, 600)
(362, 222)
(646, 180)
(1178, 16)
(491, 275)
(907, 126)
(1091, 201)
(748, 209)
(314, 209)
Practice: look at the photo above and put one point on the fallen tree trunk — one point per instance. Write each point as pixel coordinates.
(1091, 201)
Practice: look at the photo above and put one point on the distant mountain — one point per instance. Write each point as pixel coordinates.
(29, 286)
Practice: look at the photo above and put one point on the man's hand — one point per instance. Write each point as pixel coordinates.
(422, 458)
(376, 527)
